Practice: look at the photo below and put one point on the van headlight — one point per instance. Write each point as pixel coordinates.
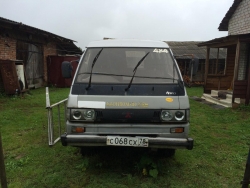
(173, 115)
(179, 115)
(89, 114)
(166, 115)
(82, 114)
(77, 114)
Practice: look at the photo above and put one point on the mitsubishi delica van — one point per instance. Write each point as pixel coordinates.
(127, 93)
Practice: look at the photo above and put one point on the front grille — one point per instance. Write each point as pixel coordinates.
(99, 114)
(157, 113)
(128, 115)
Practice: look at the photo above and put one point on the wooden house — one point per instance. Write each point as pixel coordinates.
(229, 81)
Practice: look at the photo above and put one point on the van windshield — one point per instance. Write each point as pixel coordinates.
(117, 65)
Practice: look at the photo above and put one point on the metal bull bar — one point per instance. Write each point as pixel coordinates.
(51, 123)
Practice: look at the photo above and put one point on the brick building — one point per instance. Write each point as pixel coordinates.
(234, 79)
(31, 46)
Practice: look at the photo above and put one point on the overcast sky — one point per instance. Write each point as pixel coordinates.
(88, 20)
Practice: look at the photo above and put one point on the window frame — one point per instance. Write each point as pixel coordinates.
(216, 62)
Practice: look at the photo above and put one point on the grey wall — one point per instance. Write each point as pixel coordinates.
(240, 21)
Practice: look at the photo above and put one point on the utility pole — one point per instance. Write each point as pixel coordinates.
(2, 166)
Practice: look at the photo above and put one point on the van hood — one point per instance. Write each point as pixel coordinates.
(128, 102)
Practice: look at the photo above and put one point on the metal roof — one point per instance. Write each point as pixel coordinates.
(65, 44)
(224, 23)
(128, 43)
(215, 41)
(30, 28)
(187, 47)
(190, 47)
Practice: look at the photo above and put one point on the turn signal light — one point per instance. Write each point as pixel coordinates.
(78, 129)
(177, 130)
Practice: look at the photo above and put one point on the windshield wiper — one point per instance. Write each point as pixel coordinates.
(93, 63)
(138, 64)
(150, 77)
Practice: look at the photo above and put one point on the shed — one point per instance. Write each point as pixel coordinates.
(54, 63)
(32, 46)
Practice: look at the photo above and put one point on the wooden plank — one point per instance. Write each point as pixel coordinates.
(246, 178)
(222, 80)
(9, 76)
(240, 87)
(240, 91)
(237, 57)
(248, 81)
(223, 44)
(240, 82)
(226, 80)
(206, 68)
(217, 61)
(239, 96)
(210, 89)
(2, 166)
(225, 86)
(243, 95)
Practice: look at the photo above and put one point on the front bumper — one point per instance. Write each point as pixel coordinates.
(96, 140)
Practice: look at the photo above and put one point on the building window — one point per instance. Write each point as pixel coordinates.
(217, 61)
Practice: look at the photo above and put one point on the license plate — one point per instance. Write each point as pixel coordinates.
(127, 141)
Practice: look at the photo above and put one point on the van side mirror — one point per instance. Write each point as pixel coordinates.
(66, 69)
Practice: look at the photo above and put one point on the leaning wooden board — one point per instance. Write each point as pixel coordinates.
(9, 76)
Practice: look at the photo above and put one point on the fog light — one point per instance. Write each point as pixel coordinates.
(166, 115)
(177, 130)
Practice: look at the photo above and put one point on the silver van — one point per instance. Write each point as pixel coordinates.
(127, 93)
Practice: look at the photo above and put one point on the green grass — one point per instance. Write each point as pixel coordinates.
(217, 160)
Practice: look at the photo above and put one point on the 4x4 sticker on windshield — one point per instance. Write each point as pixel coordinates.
(160, 50)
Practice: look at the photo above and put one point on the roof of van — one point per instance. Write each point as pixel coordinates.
(127, 43)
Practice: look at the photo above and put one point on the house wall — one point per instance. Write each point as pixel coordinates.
(7, 52)
(48, 49)
(7, 48)
(240, 20)
(243, 61)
